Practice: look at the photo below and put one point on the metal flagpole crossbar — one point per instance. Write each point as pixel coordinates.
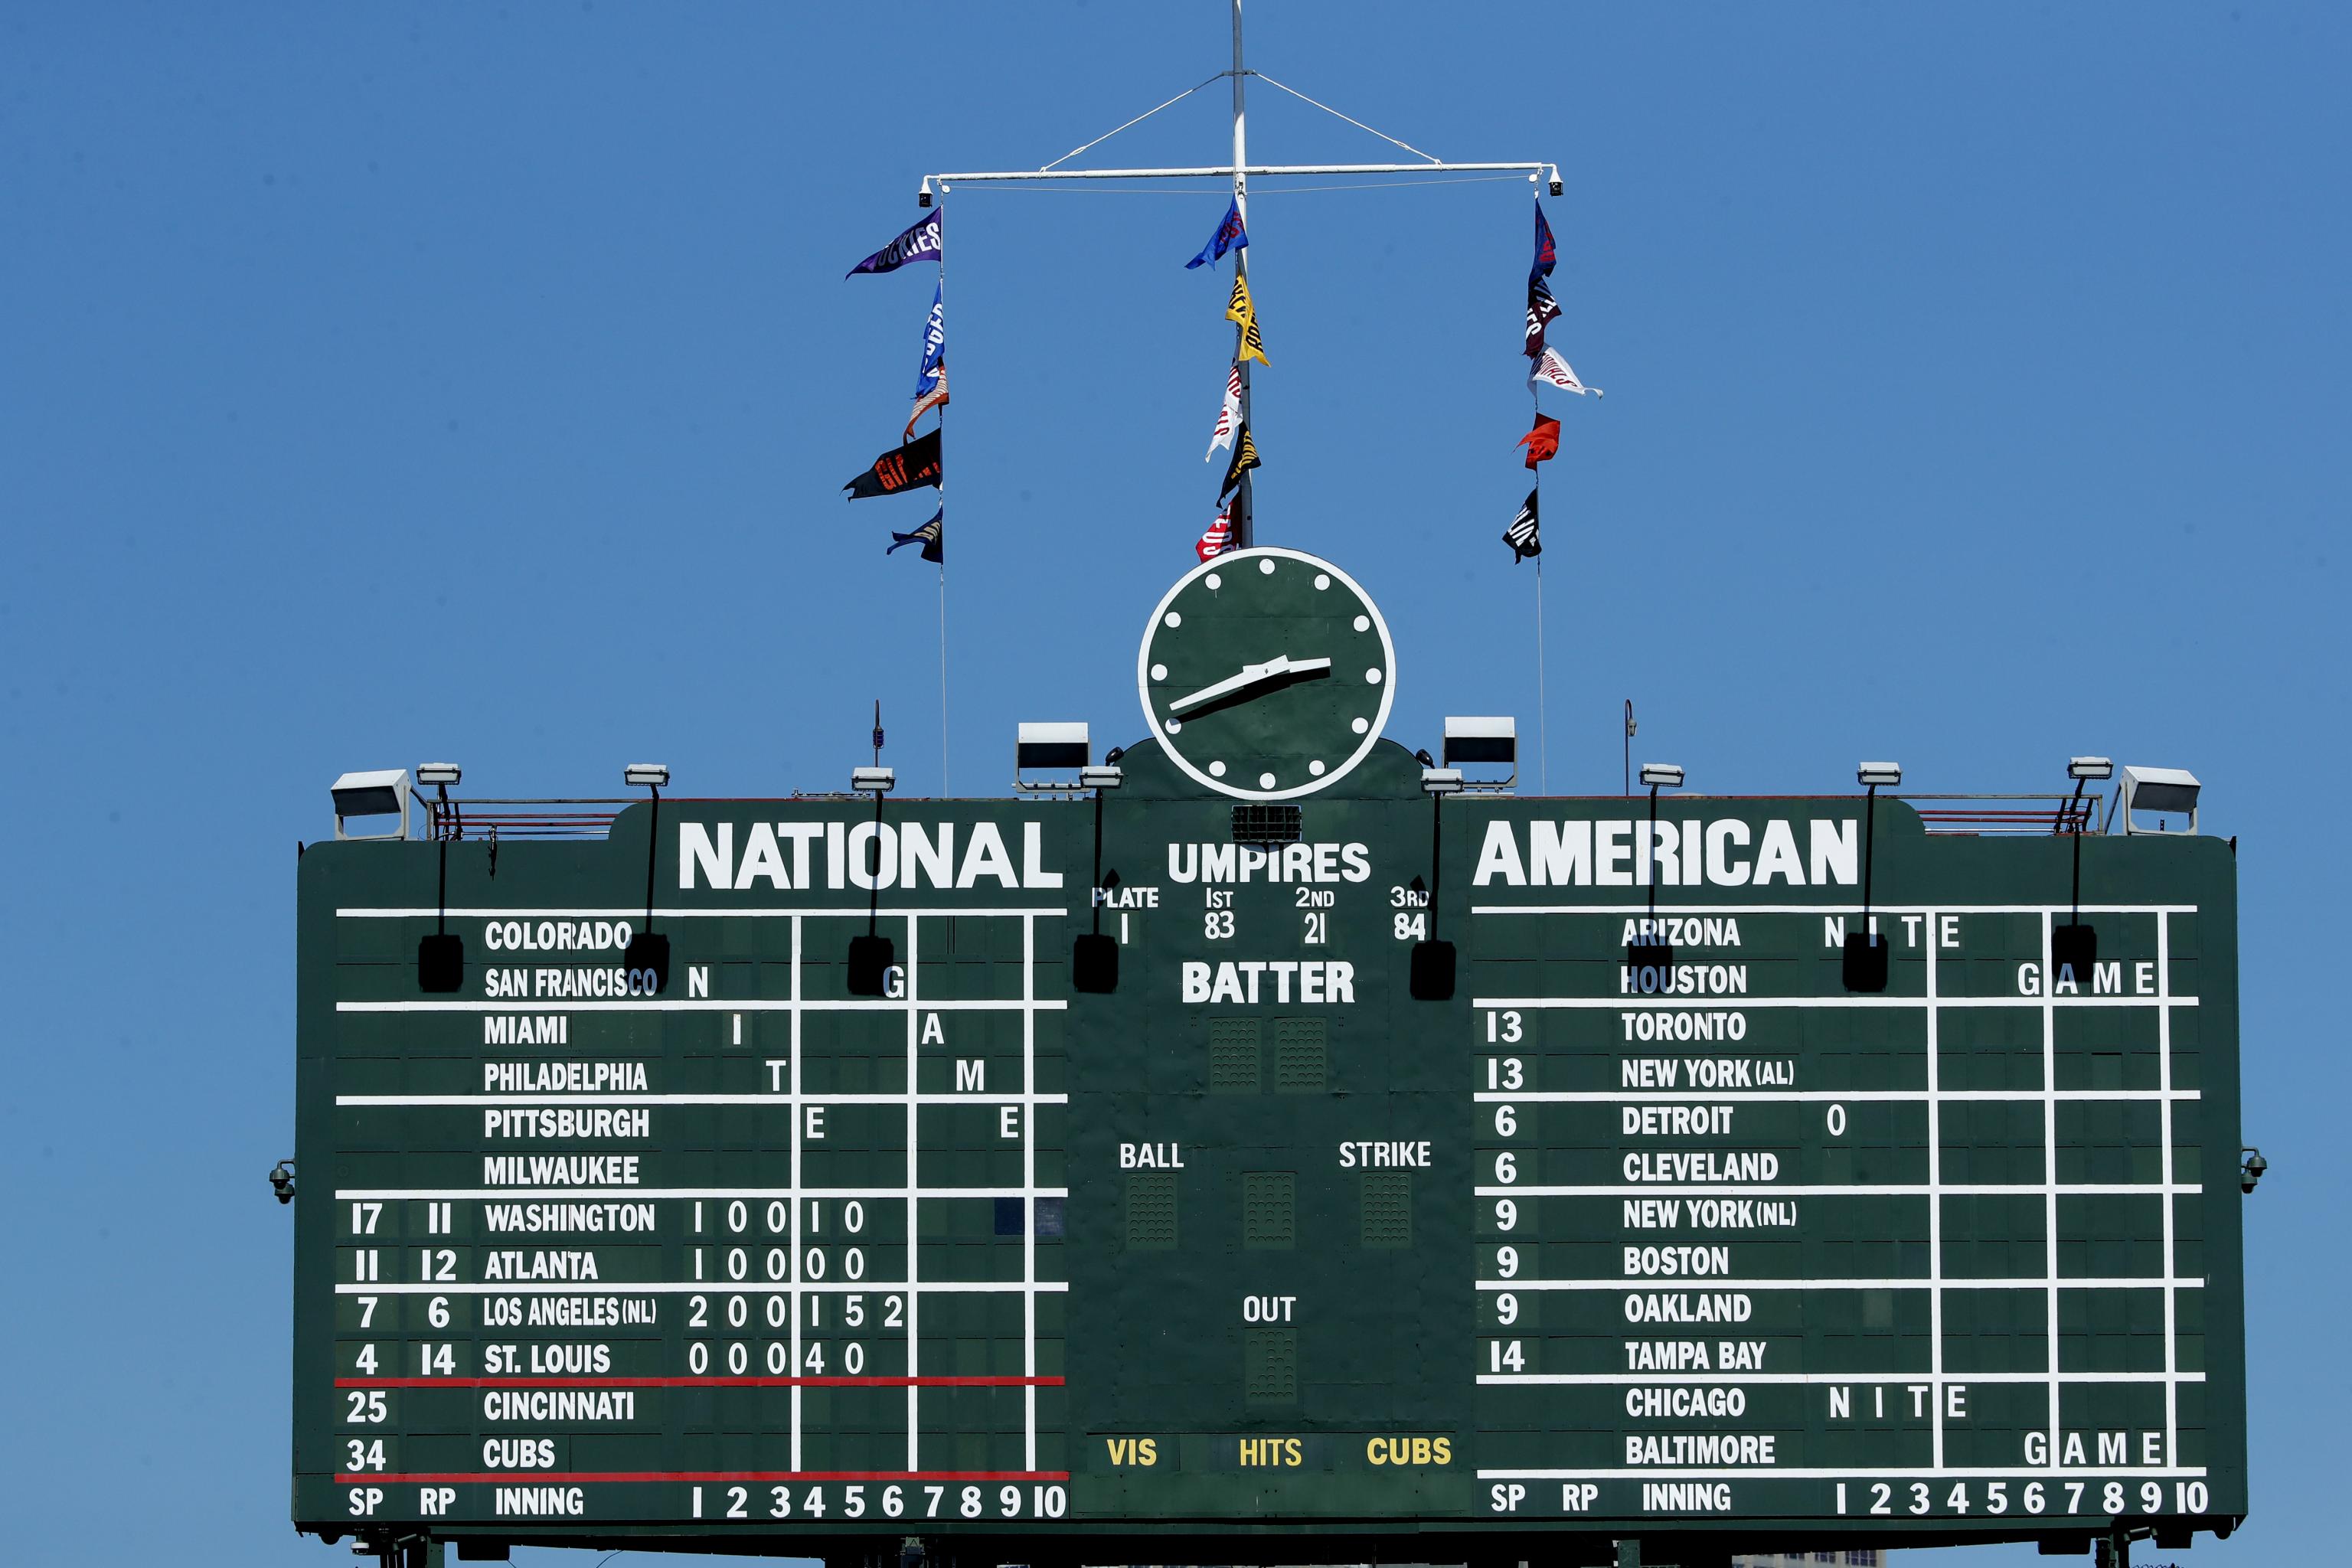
(1240, 171)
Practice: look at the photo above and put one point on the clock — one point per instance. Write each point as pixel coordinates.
(1267, 673)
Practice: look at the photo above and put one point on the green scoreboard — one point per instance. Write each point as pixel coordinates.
(1266, 1158)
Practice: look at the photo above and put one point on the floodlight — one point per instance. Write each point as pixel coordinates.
(873, 781)
(1053, 746)
(1878, 775)
(2158, 789)
(1058, 747)
(383, 792)
(647, 775)
(1441, 781)
(1104, 777)
(1662, 775)
(2093, 768)
(1481, 741)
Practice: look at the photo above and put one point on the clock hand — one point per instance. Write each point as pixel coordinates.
(1250, 675)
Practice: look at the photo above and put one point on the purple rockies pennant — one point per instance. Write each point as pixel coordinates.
(923, 240)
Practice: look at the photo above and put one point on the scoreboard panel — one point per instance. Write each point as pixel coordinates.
(1651, 1229)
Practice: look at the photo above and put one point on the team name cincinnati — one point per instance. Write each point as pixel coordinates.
(790, 855)
(1631, 853)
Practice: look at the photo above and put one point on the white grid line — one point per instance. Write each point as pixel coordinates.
(2050, 1175)
(1934, 1211)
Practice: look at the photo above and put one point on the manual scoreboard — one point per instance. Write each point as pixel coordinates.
(1262, 1149)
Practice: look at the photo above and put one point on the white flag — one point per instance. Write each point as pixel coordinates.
(1229, 417)
(1552, 369)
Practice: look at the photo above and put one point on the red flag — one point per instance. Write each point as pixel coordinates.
(1542, 442)
(1218, 539)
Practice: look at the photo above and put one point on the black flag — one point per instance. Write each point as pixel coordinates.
(931, 536)
(1525, 536)
(906, 467)
(1245, 458)
(1541, 308)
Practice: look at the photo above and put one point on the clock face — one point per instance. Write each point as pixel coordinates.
(1267, 673)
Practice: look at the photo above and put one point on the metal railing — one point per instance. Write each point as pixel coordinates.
(2005, 814)
(1978, 814)
(492, 818)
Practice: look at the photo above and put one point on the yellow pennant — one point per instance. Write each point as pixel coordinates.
(1242, 311)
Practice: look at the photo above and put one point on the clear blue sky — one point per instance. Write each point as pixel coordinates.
(386, 383)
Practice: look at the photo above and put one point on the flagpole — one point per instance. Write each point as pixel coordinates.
(1543, 716)
(1245, 528)
(943, 660)
(944, 791)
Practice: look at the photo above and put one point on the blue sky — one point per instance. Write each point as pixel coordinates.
(386, 383)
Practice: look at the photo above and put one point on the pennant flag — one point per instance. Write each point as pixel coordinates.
(917, 242)
(1230, 236)
(1229, 417)
(1219, 538)
(1244, 460)
(935, 342)
(1239, 309)
(1542, 310)
(931, 536)
(1552, 369)
(1542, 442)
(936, 397)
(1525, 536)
(906, 467)
(1546, 253)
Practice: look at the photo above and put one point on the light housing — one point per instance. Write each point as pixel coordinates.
(1878, 775)
(379, 792)
(1492, 740)
(1102, 777)
(647, 775)
(1056, 748)
(2090, 768)
(441, 773)
(1481, 739)
(873, 781)
(1441, 781)
(2172, 790)
(1052, 745)
(1662, 775)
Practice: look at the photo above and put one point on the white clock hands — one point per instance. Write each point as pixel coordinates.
(1280, 665)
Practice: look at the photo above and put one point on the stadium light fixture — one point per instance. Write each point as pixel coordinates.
(1649, 950)
(2162, 790)
(441, 775)
(1441, 781)
(380, 792)
(1863, 966)
(1102, 777)
(873, 781)
(2091, 768)
(1491, 741)
(1058, 748)
(645, 775)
